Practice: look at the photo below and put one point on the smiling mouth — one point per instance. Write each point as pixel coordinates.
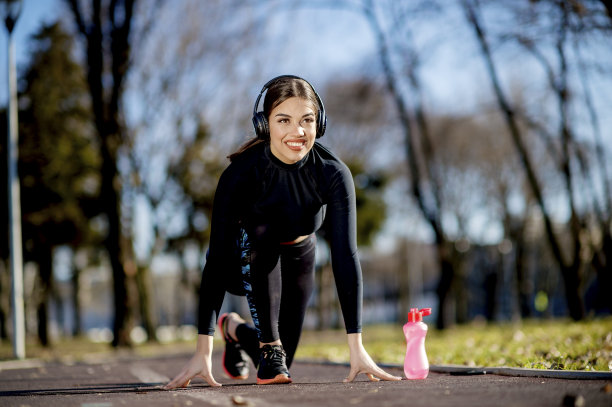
(295, 145)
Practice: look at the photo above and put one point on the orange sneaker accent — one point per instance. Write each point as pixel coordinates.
(243, 377)
(226, 338)
(279, 379)
(221, 323)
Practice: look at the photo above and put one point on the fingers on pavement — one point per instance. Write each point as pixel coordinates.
(374, 375)
(181, 380)
(211, 381)
(386, 376)
(351, 376)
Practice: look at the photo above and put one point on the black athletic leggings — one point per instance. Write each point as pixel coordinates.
(279, 280)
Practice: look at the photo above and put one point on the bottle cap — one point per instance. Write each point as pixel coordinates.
(416, 315)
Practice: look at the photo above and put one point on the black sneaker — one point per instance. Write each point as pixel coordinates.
(235, 362)
(273, 366)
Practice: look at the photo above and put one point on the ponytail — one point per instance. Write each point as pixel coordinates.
(250, 143)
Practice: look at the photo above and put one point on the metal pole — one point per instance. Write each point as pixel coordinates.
(15, 210)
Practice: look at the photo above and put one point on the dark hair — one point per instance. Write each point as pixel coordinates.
(285, 87)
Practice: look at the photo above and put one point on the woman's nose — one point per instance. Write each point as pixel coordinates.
(297, 129)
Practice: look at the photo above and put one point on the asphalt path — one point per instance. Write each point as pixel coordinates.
(132, 381)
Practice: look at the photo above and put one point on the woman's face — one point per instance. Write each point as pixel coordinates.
(292, 129)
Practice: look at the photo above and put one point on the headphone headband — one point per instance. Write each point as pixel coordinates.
(260, 122)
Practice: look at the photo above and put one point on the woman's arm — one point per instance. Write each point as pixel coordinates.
(342, 227)
(341, 232)
(222, 261)
(199, 365)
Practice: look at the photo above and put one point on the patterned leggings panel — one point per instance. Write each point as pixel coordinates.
(244, 245)
(278, 281)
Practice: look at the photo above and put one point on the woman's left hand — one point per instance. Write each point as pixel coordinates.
(361, 362)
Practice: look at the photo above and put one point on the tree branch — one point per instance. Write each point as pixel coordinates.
(78, 17)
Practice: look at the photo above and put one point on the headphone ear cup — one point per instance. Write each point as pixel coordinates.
(260, 123)
(321, 125)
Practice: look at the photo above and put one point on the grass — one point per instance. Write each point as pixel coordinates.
(540, 344)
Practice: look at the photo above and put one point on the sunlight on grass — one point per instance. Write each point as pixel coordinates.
(539, 344)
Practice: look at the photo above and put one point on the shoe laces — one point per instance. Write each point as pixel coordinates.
(274, 354)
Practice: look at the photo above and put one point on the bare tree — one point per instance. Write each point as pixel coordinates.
(571, 280)
(182, 78)
(420, 154)
(565, 150)
(106, 27)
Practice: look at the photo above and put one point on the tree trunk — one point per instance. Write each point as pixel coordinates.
(109, 27)
(571, 272)
(460, 287)
(325, 306)
(602, 262)
(112, 243)
(447, 279)
(571, 280)
(77, 329)
(491, 282)
(445, 284)
(403, 275)
(4, 299)
(515, 232)
(44, 258)
(147, 307)
(524, 286)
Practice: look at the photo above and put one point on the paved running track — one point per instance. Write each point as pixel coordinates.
(131, 381)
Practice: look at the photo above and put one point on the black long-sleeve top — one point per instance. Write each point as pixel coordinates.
(265, 196)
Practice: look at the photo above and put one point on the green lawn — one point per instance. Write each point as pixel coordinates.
(540, 344)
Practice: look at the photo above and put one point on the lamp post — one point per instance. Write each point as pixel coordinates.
(9, 11)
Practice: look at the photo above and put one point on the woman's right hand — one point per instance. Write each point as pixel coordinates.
(361, 362)
(198, 366)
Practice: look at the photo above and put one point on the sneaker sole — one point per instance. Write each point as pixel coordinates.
(244, 377)
(279, 379)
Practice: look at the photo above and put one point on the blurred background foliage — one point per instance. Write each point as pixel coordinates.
(476, 131)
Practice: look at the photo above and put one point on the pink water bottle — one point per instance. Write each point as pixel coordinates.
(416, 365)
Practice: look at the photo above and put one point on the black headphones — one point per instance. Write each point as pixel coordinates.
(262, 129)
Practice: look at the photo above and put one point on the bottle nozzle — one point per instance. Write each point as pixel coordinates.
(416, 315)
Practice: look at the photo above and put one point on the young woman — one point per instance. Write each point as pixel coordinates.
(279, 189)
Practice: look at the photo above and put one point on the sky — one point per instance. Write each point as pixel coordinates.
(37, 12)
(336, 54)
(34, 13)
